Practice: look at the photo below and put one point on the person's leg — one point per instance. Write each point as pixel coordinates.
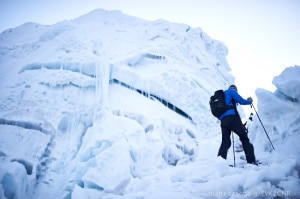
(239, 129)
(226, 142)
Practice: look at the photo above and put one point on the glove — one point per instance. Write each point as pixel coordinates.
(250, 99)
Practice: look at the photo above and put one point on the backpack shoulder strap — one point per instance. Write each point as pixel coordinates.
(234, 106)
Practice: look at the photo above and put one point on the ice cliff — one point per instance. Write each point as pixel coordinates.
(112, 106)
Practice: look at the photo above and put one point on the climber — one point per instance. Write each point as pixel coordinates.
(231, 121)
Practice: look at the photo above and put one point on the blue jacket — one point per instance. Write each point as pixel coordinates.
(230, 95)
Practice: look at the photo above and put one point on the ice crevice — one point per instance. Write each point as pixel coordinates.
(44, 160)
(281, 95)
(62, 86)
(26, 125)
(27, 165)
(153, 96)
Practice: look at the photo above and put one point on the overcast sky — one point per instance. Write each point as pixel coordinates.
(263, 36)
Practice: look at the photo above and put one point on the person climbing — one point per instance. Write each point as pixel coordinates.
(231, 121)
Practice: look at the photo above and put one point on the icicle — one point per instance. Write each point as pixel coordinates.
(102, 73)
(102, 82)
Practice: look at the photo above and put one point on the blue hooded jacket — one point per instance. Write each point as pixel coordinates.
(232, 94)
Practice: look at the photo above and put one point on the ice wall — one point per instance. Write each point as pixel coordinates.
(72, 123)
(280, 115)
(280, 110)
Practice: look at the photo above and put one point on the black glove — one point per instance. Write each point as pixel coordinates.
(250, 99)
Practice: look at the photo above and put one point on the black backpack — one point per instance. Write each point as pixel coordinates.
(217, 104)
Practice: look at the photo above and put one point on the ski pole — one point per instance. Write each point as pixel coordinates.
(233, 150)
(252, 106)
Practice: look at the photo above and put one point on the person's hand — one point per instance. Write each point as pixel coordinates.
(250, 99)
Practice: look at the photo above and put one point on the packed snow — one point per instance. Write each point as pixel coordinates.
(112, 106)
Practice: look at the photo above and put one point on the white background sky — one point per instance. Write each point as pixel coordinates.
(263, 36)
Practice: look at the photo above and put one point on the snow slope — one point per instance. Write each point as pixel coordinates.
(112, 106)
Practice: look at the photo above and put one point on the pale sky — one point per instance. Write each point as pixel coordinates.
(262, 36)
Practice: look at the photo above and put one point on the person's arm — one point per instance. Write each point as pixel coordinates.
(239, 99)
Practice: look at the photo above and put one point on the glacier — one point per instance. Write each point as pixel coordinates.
(112, 106)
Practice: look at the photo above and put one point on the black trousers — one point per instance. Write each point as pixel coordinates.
(234, 123)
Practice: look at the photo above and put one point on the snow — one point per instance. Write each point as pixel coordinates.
(112, 106)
